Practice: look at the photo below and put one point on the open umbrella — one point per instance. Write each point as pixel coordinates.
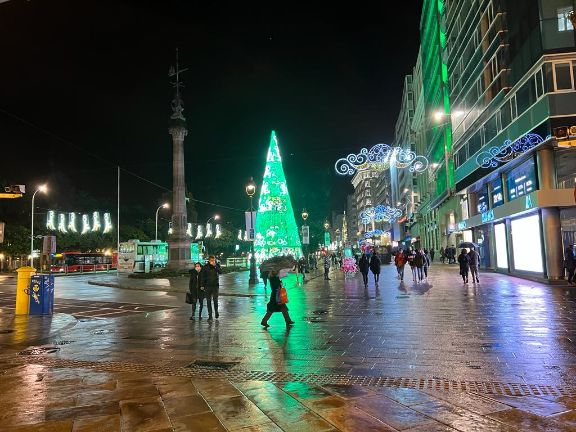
(278, 263)
(468, 245)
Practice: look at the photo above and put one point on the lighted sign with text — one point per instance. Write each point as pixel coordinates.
(487, 216)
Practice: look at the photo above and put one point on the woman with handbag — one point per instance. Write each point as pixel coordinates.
(196, 293)
(278, 300)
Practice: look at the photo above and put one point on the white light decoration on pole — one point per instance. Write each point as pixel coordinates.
(209, 230)
(51, 220)
(240, 235)
(107, 223)
(62, 223)
(189, 230)
(199, 232)
(85, 223)
(72, 222)
(379, 158)
(218, 231)
(96, 221)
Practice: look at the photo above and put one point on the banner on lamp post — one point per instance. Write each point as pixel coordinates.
(327, 239)
(250, 225)
(305, 234)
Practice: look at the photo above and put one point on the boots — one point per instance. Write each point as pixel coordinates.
(193, 312)
(264, 322)
(287, 318)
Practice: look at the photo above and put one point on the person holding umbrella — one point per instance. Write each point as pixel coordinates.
(275, 266)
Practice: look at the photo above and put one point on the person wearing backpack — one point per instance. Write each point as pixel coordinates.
(275, 304)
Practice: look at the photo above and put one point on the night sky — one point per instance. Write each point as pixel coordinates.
(92, 76)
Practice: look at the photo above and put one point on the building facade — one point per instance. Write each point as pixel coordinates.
(499, 76)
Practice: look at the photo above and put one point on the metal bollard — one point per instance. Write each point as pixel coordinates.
(22, 286)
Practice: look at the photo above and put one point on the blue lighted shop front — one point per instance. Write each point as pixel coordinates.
(41, 294)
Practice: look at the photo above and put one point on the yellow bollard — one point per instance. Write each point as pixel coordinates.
(23, 284)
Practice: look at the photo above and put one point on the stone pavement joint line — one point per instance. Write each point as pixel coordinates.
(237, 375)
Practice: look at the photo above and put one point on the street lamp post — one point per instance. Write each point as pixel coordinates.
(43, 188)
(250, 191)
(215, 217)
(165, 205)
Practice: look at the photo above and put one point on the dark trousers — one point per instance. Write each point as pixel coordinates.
(376, 277)
(571, 275)
(474, 273)
(400, 270)
(201, 302)
(464, 274)
(365, 278)
(326, 270)
(420, 271)
(425, 271)
(212, 297)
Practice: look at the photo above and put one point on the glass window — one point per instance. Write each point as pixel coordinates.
(564, 23)
(539, 84)
(461, 156)
(491, 128)
(482, 205)
(475, 143)
(527, 244)
(497, 192)
(506, 115)
(501, 246)
(521, 180)
(563, 76)
(525, 96)
(548, 77)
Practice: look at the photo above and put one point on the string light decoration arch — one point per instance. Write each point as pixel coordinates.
(379, 158)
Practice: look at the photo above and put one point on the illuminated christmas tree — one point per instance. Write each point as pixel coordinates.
(276, 230)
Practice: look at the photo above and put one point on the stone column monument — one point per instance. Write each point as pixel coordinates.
(178, 241)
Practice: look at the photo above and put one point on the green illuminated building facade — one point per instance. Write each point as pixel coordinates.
(276, 229)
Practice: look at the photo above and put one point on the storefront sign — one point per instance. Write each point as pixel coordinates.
(529, 204)
(487, 216)
(462, 225)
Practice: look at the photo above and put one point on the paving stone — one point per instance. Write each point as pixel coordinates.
(50, 426)
(534, 405)
(206, 422)
(146, 414)
(352, 419)
(177, 390)
(186, 405)
(237, 412)
(525, 421)
(266, 427)
(391, 413)
(99, 396)
(97, 424)
(94, 410)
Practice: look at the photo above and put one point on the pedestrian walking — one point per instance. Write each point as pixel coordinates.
(474, 258)
(464, 262)
(196, 292)
(442, 255)
(432, 253)
(427, 260)
(364, 267)
(375, 265)
(264, 275)
(400, 262)
(275, 304)
(410, 256)
(419, 264)
(302, 268)
(211, 285)
(570, 264)
(326, 266)
(452, 255)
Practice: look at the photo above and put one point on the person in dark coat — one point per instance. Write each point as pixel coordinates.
(464, 262)
(364, 266)
(273, 305)
(432, 253)
(419, 264)
(474, 258)
(211, 285)
(194, 286)
(442, 255)
(570, 264)
(375, 268)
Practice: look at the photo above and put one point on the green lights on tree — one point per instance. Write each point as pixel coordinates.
(276, 229)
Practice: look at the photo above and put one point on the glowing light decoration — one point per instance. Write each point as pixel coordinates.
(380, 158)
(189, 230)
(170, 230)
(495, 156)
(375, 233)
(96, 221)
(276, 229)
(72, 222)
(62, 223)
(85, 223)
(218, 231)
(51, 220)
(209, 230)
(380, 213)
(240, 235)
(107, 223)
(199, 232)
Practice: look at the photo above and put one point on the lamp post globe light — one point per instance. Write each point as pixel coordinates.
(165, 205)
(42, 188)
(215, 217)
(251, 191)
(305, 239)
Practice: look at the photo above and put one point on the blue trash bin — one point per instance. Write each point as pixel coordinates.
(41, 294)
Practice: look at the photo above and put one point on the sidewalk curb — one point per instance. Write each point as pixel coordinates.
(134, 288)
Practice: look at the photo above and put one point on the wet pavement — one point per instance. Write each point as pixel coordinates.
(437, 356)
